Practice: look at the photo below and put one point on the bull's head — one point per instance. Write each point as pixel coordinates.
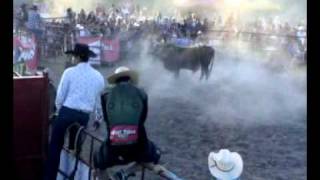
(161, 50)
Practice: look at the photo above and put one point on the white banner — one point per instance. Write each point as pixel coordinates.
(95, 47)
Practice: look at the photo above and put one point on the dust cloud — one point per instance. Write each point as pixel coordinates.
(242, 88)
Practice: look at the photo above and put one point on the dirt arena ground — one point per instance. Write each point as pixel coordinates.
(244, 106)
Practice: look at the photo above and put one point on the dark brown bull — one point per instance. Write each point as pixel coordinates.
(175, 58)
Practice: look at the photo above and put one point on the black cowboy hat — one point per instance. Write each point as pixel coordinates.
(81, 49)
(34, 7)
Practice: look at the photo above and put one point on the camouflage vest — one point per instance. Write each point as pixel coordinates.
(124, 107)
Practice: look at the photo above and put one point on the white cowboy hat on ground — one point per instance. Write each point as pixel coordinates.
(225, 165)
(123, 72)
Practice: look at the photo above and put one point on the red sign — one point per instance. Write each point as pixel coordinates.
(25, 50)
(124, 134)
(111, 49)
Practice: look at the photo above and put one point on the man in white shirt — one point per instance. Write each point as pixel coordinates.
(78, 95)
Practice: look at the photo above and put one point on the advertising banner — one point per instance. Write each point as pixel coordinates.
(25, 51)
(111, 49)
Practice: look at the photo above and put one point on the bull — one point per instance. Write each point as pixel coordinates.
(175, 58)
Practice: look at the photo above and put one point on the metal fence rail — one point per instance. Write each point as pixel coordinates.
(82, 133)
(59, 36)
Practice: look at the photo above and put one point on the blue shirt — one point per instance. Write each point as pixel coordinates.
(80, 89)
(34, 20)
(183, 42)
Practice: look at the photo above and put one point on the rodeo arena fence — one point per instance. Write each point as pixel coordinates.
(73, 165)
(58, 36)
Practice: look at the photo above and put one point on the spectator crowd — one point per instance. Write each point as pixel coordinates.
(130, 24)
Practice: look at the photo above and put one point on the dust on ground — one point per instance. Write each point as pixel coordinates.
(255, 111)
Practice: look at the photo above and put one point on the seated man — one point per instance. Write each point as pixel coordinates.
(125, 109)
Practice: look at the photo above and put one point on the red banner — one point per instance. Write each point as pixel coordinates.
(111, 49)
(25, 50)
(123, 134)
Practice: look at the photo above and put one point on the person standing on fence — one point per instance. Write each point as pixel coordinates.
(34, 23)
(70, 32)
(82, 17)
(125, 108)
(22, 16)
(78, 95)
(71, 17)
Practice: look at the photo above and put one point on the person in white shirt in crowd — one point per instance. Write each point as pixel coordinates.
(225, 165)
(70, 17)
(78, 95)
(21, 16)
(301, 35)
(82, 30)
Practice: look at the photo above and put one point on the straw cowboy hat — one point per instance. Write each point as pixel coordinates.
(81, 49)
(225, 165)
(123, 72)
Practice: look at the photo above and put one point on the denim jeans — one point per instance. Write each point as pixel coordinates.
(65, 118)
(37, 33)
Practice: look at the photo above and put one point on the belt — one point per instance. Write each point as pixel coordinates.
(83, 111)
(78, 110)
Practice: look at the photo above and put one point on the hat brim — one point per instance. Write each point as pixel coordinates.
(133, 75)
(74, 53)
(233, 174)
(34, 7)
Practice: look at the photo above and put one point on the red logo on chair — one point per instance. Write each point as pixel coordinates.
(124, 134)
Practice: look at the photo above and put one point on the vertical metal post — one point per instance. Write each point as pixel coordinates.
(142, 173)
(101, 50)
(90, 157)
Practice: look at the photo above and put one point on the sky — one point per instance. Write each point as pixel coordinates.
(291, 10)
